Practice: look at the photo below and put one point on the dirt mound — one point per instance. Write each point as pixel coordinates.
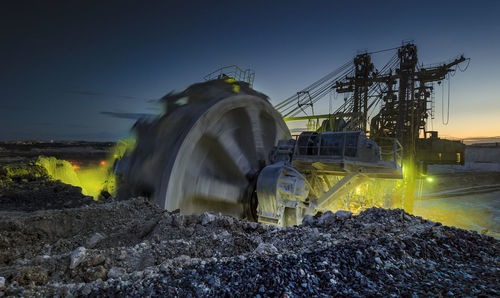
(134, 248)
(26, 186)
(55, 241)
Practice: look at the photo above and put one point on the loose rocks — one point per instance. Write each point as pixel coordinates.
(92, 241)
(133, 248)
(207, 218)
(116, 273)
(77, 257)
(265, 249)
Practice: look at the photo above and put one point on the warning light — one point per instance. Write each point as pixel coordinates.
(429, 179)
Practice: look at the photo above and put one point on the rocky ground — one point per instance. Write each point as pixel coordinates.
(25, 186)
(132, 248)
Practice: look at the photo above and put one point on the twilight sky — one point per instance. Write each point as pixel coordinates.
(78, 69)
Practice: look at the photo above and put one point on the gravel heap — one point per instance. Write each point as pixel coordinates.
(26, 186)
(134, 248)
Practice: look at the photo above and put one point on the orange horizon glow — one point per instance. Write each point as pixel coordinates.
(459, 131)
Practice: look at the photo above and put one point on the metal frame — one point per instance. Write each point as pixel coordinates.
(232, 71)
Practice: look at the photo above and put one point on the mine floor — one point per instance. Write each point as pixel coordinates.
(55, 241)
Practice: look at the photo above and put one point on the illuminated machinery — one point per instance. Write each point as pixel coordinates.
(315, 172)
(232, 72)
(221, 146)
(400, 96)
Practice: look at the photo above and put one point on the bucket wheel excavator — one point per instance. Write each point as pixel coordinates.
(221, 146)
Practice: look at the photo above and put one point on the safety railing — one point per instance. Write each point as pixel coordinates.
(391, 149)
(232, 71)
(346, 147)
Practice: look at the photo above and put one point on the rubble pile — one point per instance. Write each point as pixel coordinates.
(134, 248)
(26, 186)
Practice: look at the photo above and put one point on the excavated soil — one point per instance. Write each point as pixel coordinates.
(25, 186)
(133, 248)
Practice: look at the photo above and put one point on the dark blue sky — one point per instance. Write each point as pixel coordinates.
(64, 63)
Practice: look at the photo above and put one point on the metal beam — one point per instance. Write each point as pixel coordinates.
(347, 183)
(323, 116)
